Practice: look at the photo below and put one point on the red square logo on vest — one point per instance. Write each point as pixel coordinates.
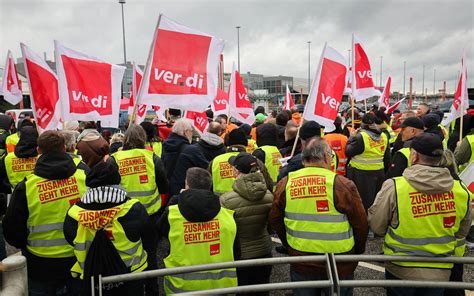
(322, 206)
(449, 221)
(143, 179)
(215, 249)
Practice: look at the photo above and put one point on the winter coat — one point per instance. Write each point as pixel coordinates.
(281, 136)
(211, 145)
(463, 152)
(91, 147)
(399, 163)
(384, 213)
(346, 201)
(285, 150)
(251, 201)
(196, 205)
(55, 166)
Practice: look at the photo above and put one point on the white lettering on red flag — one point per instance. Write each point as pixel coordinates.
(220, 104)
(89, 89)
(182, 68)
(44, 95)
(199, 120)
(362, 83)
(11, 84)
(239, 103)
(326, 91)
(384, 100)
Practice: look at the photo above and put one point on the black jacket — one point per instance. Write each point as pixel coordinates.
(196, 205)
(210, 151)
(355, 146)
(295, 163)
(55, 166)
(285, 150)
(281, 136)
(399, 163)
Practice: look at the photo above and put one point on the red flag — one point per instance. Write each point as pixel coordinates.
(137, 75)
(88, 87)
(219, 106)
(182, 67)
(199, 119)
(239, 102)
(327, 89)
(11, 84)
(44, 93)
(394, 106)
(384, 100)
(461, 95)
(288, 104)
(363, 85)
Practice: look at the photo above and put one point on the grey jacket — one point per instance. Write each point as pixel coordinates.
(251, 201)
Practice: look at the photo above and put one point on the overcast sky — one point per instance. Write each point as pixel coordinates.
(273, 34)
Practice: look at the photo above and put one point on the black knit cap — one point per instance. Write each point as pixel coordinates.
(103, 174)
(243, 162)
(414, 122)
(310, 129)
(427, 144)
(431, 120)
(237, 137)
(369, 118)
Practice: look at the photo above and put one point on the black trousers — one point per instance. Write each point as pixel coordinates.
(255, 275)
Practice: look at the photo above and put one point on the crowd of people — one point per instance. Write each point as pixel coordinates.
(85, 201)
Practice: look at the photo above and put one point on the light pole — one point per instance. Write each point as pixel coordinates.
(404, 72)
(434, 81)
(122, 2)
(381, 57)
(309, 66)
(238, 47)
(423, 88)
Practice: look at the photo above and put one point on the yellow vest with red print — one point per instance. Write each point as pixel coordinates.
(18, 168)
(89, 221)
(272, 161)
(312, 221)
(48, 202)
(222, 173)
(137, 169)
(372, 157)
(207, 242)
(427, 224)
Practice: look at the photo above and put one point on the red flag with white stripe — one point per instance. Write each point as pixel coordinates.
(11, 84)
(44, 95)
(384, 100)
(220, 104)
(394, 106)
(239, 102)
(199, 120)
(288, 104)
(362, 83)
(327, 89)
(461, 95)
(89, 88)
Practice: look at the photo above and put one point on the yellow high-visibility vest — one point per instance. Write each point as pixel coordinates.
(11, 141)
(272, 161)
(372, 157)
(18, 168)
(222, 173)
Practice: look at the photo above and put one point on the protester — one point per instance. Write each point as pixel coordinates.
(199, 209)
(302, 222)
(227, 126)
(422, 110)
(337, 141)
(368, 158)
(291, 130)
(281, 121)
(210, 144)
(179, 155)
(12, 140)
(357, 122)
(398, 144)
(268, 153)
(106, 134)
(6, 125)
(90, 144)
(144, 182)
(431, 122)
(467, 128)
(70, 140)
(21, 162)
(408, 221)
(116, 142)
(153, 142)
(251, 200)
(410, 128)
(252, 144)
(35, 216)
(382, 123)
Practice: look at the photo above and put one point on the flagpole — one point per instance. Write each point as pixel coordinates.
(146, 74)
(353, 82)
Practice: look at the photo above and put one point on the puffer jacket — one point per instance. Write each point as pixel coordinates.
(384, 213)
(251, 201)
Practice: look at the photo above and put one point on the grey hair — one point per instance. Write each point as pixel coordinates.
(181, 126)
(135, 137)
(316, 150)
(117, 137)
(198, 178)
(69, 139)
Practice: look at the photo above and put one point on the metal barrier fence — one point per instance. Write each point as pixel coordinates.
(332, 283)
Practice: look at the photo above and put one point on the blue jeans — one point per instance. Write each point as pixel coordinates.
(299, 277)
(396, 291)
(53, 287)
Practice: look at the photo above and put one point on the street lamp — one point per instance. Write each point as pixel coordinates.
(434, 81)
(309, 66)
(122, 2)
(404, 72)
(238, 46)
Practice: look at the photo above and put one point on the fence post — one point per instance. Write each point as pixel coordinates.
(14, 276)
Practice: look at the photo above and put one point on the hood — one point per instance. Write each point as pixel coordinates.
(174, 142)
(435, 130)
(250, 186)
(27, 144)
(198, 205)
(88, 135)
(55, 166)
(212, 139)
(431, 180)
(374, 134)
(5, 122)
